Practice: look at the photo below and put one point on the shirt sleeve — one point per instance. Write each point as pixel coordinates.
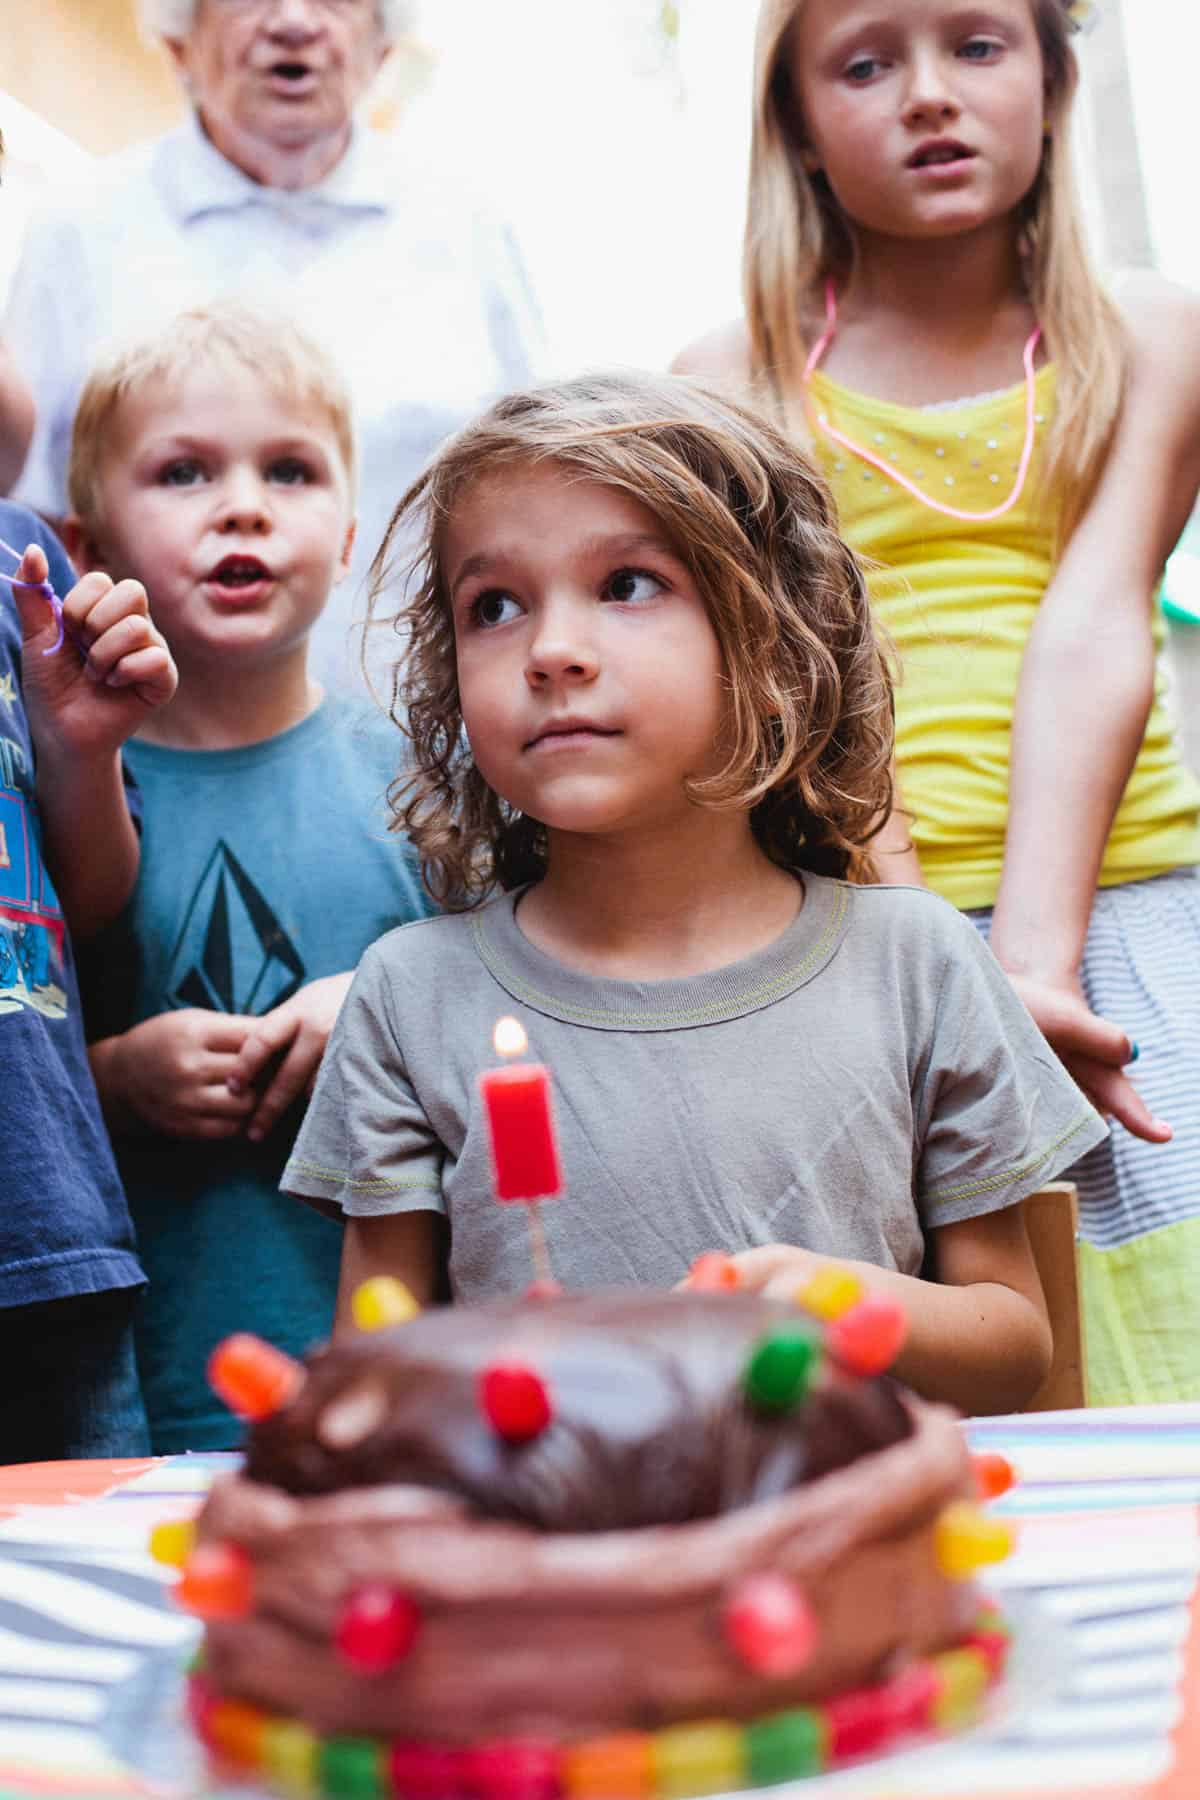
(366, 1147)
(998, 1114)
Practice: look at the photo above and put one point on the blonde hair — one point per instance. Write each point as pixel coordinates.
(798, 238)
(273, 350)
(809, 694)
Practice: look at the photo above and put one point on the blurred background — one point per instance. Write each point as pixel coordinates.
(613, 134)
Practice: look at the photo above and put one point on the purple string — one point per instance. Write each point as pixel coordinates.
(39, 587)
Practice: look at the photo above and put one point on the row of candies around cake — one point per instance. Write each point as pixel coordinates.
(939, 1695)
(765, 1620)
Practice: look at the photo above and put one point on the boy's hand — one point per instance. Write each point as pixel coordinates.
(297, 1032)
(112, 669)
(172, 1072)
(1093, 1051)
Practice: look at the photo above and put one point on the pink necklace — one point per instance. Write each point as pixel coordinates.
(821, 420)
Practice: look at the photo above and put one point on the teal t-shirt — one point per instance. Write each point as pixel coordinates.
(262, 869)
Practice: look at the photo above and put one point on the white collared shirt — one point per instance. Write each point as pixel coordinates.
(419, 294)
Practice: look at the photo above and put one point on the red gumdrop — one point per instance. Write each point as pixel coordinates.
(859, 1722)
(518, 1769)
(770, 1624)
(867, 1338)
(201, 1698)
(712, 1273)
(994, 1647)
(911, 1695)
(376, 1628)
(515, 1401)
(426, 1771)
(252, 1377)
(994, 1475)
(216, 1582)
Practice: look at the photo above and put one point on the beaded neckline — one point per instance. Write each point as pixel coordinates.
(820, 422)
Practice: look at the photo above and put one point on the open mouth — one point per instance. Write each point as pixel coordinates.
(290, 71)
(935, 155)
(239, 572)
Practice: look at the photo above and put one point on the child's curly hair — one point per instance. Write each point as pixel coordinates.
(809, 692)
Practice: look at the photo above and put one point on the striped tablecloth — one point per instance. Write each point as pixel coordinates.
(1106, 1573)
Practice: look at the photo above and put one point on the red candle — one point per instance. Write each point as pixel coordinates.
(525, 1163)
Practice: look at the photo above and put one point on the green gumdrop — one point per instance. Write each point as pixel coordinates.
(785, 1746)
(351, 1769)
(781, 1368)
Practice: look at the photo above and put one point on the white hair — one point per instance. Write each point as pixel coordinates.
(173, 18)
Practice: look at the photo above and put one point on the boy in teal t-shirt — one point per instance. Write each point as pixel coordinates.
(216, 464)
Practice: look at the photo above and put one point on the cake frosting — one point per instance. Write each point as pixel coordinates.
(575, 1585)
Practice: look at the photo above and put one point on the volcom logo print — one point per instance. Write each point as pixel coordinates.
(232, 955)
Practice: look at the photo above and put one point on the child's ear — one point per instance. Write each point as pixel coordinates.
(82, 546)
(343, 568)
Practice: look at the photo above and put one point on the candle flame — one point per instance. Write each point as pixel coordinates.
(509, 1038)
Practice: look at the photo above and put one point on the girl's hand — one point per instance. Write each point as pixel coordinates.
(778, 1271)
(296, 1033)
(1093, 1051)
(170, 1074)
(112, 668)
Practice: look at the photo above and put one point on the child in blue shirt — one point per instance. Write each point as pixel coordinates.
(69, 1272)
(215, 463)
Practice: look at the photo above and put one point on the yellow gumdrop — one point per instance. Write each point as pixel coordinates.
(962, 1678)
(704, 1758)
(289, 1758)
(830, 1292)
(966, 1539)
(382, 1301)
(172, 1542)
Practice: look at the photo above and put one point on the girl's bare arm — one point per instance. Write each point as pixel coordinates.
(16, 421)
(978, 1337)
(400, 1244)
(1087, 683)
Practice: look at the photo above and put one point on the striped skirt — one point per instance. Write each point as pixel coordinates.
(1139, 1204)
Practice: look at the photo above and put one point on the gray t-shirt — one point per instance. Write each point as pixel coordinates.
(867, 1077)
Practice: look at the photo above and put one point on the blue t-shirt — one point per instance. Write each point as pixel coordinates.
(262, 869)
(64, 1225)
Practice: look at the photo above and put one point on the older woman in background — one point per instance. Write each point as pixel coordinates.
(271, 189)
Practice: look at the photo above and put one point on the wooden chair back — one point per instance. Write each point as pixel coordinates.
(1052, 1222)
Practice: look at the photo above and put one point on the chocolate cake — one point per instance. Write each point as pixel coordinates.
(697, 1536)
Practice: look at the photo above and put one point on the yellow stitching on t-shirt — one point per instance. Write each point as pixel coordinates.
(991, 1182)
(784, 983)
(374, 1184)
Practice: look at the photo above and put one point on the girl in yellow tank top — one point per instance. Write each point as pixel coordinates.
(913, 245)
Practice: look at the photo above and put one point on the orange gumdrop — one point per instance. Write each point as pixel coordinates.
(712, 1273)
(252, 1377)
(217, 1582)
(994, 1475)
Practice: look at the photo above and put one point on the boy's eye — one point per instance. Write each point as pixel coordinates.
(980, 50)
(632, 587)
(289, 471)
(494, 607)
(184, 471)
(863, 68)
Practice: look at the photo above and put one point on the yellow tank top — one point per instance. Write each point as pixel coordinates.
(958, 601)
